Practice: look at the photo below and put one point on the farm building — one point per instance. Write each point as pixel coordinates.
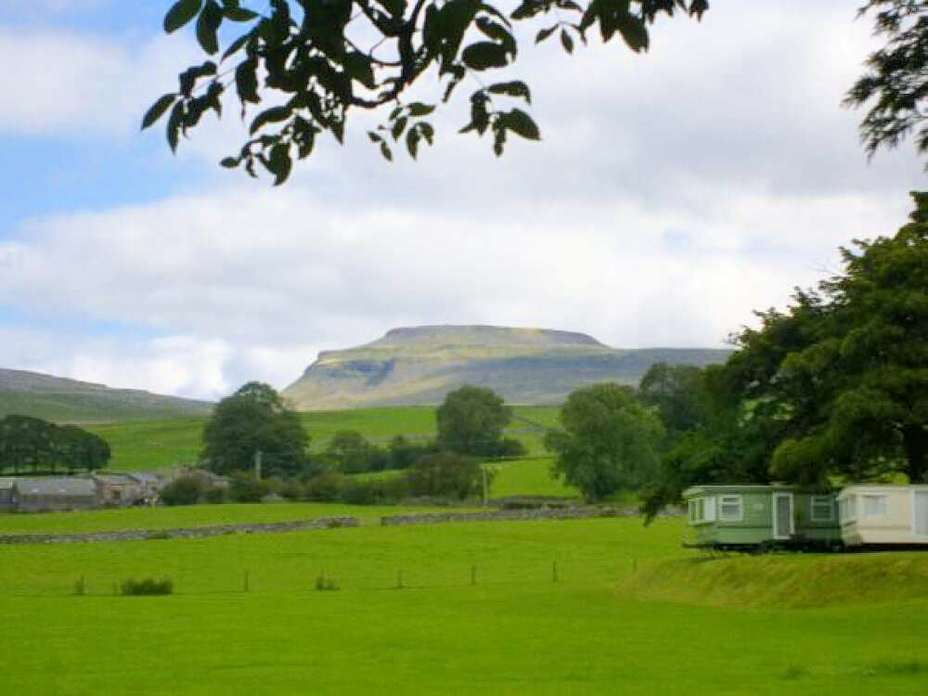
(6, 494)
(884, 515)
(750, 516)
(118, 490)
(61, 493)
(150, 485)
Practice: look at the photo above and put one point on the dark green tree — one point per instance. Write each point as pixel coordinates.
(33, 444)
(471, 421)
(77, 448)
(608, 440)
(315, 61)
(255, 419)
(677, 393)
(896, 82)
(353, 454)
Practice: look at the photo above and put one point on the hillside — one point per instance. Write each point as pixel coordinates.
(67, 400)
(419, 365)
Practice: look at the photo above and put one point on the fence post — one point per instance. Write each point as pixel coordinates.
(245, 584)
(554, 572)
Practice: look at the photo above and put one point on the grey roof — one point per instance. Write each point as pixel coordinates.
(56, 486)
(145, 477)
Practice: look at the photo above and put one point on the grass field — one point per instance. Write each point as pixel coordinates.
(158, 444)
(514, 631)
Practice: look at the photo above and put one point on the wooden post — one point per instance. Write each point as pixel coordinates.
(245, 585)
(554, 572)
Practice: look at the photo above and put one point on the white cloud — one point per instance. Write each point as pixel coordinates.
(673, 194)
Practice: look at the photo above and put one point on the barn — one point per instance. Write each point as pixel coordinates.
(877, 515)
(118, 490)
(751, 516)
(59, 493)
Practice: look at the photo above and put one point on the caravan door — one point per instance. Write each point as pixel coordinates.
(783, 524)
(920, 513)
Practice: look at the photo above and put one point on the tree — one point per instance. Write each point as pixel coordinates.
(471, 421)
(77, 448)
(255, 419)
(353, 454)
(314, 61)
(897, 77)
(36, 444)
(677, 393)
(607, 440)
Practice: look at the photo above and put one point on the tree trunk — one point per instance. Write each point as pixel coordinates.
(915, 444)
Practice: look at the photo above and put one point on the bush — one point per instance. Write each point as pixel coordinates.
(184, 490)
(146, 587)
(403, 453)
(292, 490)
(324, 488)
(243, 488)
(445, 474)
(510, 447)
(324, 584)
(214, 495)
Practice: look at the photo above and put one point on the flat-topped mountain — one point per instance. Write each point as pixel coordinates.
(419, 365)
(69, 400)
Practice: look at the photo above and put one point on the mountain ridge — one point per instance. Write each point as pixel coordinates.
(419, 365)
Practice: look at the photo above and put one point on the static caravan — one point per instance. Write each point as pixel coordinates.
(755, 517)
(6, 494)
(884, 515)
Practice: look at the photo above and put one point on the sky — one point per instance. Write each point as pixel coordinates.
(673, 193)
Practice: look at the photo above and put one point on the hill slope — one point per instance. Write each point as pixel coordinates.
(68, 400)
(419, 365)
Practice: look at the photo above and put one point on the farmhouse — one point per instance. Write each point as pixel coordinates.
(879, 515)
(40, 494)
(748, 516)
(118, 490)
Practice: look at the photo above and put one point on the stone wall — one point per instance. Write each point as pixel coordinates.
(570, 513)
(183, 533)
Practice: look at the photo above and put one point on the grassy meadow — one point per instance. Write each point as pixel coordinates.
(158, 444)
(480, 611)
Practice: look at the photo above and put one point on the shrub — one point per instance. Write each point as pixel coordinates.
(146, 587)
(445, 474)
(510, 447)
(215, 495)
(184, 490)
(243, 488)
(292, 490)
(324, 584)
(324, 488)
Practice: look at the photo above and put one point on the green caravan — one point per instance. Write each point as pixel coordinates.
(757, 518)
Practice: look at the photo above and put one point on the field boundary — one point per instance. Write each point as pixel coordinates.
(570, 513)
(183, 532)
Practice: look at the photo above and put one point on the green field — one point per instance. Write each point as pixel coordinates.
(159, 444)
(515, 631)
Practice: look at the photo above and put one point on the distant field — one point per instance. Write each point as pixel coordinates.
(147, 445)
(483, 609)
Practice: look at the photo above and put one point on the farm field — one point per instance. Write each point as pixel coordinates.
(508, 628)
(157, 444)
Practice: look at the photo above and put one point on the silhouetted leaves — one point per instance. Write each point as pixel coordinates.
(180, 14)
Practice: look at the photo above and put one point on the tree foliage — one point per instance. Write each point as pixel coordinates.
(33, 444)
(471, 421)
(255, 419)
(896, 82)
(297, 68)
(446, 474)
(608, 440)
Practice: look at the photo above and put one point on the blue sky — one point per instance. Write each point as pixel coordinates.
(672, 194)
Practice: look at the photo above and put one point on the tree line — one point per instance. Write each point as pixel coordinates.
(33, 445)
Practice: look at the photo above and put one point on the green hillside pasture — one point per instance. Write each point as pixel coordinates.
(788, 580)
(149, 445)
(528, 477)
(514, 631)
(191, 516)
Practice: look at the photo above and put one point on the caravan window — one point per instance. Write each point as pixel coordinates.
(874, 505)
(697, 509)
(848, 508)
(730, 508)
(822, 508)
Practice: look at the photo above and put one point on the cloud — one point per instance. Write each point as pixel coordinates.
(673, 194)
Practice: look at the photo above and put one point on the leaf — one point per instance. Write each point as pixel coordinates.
(180, 14)
(280, 163)
(237, 44)
(484, 54)
(633, 31)
(208, 25)
(412, 142)
(520, 123)
(545, 33)
(375, 138)
(272, 115)
(229, 162)
(246, 81)
(566, 41)
(419, 109)
(385, 151)
(516, 88)
(157, 110)
(399, 125)
(358, 66)
(239, 14)
(174, 124)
